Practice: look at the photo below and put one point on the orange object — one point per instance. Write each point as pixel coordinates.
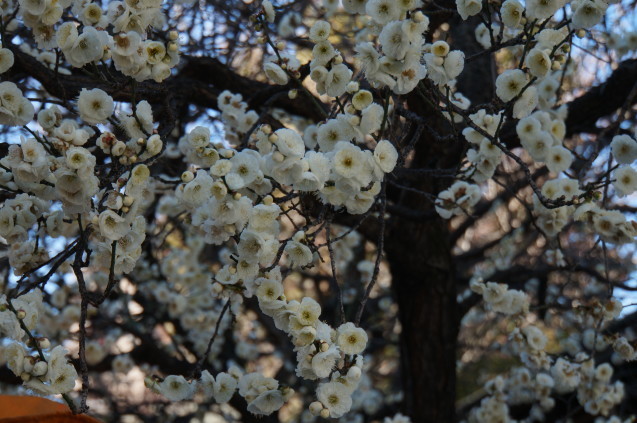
(28, 409)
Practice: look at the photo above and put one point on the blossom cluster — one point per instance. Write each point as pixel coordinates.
(224, 203)
(545, 375)
(85, 40)
(85, 173)
(44, 372)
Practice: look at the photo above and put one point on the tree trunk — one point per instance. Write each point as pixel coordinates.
(420, 262)
(420, 256)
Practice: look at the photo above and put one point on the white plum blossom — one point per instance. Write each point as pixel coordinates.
(559, 159)
(95, 106)
(541, 9)
(624, 149)
(335, 397)
(176, 388)
(382, 11)
(15, 109)
(588, 13)
(538, 62)
(459, 198)
(275, 73)
(625, 180)
(386, 156)
(468, 8)
(511, 12)
(510, 83)
(351, 339)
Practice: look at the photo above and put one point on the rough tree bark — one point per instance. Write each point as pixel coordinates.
(422, 271)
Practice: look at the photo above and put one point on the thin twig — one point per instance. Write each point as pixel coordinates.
(333, 265)
(200, 363)
(379, 254)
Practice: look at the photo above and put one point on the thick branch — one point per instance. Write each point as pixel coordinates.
(602, 100)
(598, 102)
(199, 82)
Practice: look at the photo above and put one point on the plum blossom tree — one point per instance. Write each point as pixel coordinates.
(367, 210)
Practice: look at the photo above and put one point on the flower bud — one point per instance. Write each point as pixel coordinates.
(278, 157)
(418, 16)
(440, 48)
(154, 147)
(187, 176)
(118, 148)
(44, 343)
(362, 99)
(40, 368)
(226, 153)
(316, 408)
(28, 363)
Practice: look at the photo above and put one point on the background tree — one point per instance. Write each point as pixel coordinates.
(343, 210)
